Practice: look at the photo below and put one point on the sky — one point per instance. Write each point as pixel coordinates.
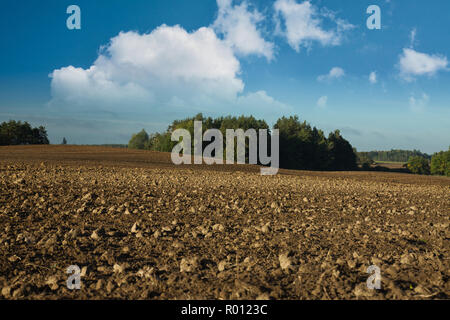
(142, 64)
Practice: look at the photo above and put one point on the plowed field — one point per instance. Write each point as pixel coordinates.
(139, 227)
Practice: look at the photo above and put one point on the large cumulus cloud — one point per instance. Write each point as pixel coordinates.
(168, 66)
(168, 69)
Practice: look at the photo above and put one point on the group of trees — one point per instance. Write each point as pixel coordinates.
(418, 165)
(393, 155)
(306, 147)
(439, 164)
(301, 146)
(21, 133)
(163, 142)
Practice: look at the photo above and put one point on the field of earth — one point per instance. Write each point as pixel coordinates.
(139, 227)
(390, 164)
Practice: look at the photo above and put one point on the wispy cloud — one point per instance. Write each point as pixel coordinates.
(335, 73)
(303, 24)
(419, 104)
(413, 63)
(240, 28)
(322, 102)
(373, 77)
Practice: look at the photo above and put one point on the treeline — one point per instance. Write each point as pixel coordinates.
(21, 133)
(393, 155)
(301, 146)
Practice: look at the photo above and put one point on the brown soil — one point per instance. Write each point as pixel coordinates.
(141, 228)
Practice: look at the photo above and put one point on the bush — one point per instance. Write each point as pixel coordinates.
(366, 166)
(364, 160)
(440, 163)
(418, 165)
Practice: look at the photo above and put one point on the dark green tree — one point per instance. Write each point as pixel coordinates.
(40, 136)
(300, 145)
(21, 133)
(305, 147)
(341, 152)
(139, 140)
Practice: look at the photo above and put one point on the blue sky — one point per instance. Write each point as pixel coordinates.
(141, 64)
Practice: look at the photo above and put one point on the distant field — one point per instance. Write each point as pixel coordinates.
(390, 164)
(143, 228)
(393, 162)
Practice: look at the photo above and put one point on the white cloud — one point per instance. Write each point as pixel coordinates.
(373, 77)
(322, 102)
(167, 69)
(419, 104)
(303, 24)
(262, 104)
(240, 29)
(413, 63)
(335, 73)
